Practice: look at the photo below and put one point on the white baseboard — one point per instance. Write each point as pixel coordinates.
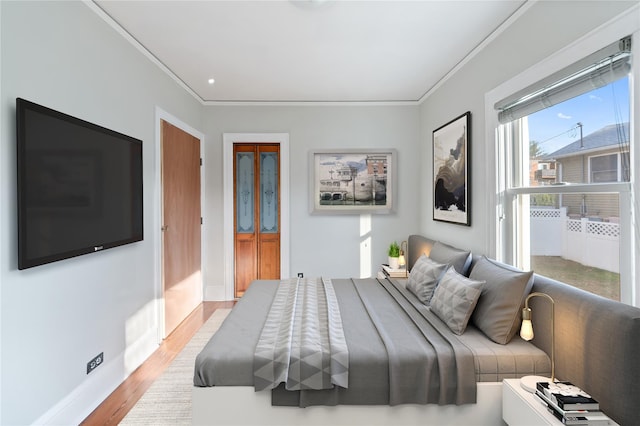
(77, 405)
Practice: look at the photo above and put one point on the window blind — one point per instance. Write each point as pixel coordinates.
(605, 66)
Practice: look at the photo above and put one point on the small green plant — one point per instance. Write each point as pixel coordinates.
(394, 250)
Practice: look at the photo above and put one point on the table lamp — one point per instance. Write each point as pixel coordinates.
(402, 261)
(528, 383)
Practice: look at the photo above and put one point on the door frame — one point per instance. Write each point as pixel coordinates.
(228, 139)
(157, 235)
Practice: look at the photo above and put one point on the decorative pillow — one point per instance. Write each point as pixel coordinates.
(499, 309)
(459, 259)
(424, 278)
(454, 299)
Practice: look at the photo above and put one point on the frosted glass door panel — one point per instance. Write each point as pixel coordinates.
(245, 197)
(268, 192)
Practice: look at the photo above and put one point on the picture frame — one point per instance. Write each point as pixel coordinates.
(352, 181)
(451, 170)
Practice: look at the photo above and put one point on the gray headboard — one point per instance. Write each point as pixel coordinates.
(597, 345)
(416, 246)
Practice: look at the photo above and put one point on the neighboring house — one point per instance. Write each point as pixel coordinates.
(599, 157)
(541, 172)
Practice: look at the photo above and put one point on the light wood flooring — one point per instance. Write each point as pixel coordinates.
(117, 405)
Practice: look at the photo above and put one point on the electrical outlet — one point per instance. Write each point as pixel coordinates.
(95, 362)
(300, 275)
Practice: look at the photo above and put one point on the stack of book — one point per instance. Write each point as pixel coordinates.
(570, 404)
(394, 273)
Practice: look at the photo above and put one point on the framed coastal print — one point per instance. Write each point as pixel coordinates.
(451, 171)
(352, 181)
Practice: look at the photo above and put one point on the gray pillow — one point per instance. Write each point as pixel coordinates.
(424, 278)
(455, 299)
(499, 309)
(459, 259)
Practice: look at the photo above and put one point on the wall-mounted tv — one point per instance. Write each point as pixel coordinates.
(79, 186)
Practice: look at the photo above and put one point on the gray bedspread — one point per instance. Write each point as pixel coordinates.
(399, 352)
(302, 343)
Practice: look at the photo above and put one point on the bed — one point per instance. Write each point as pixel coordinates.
(405, 362)
(394, 377)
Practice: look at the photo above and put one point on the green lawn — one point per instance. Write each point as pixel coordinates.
(592, 279)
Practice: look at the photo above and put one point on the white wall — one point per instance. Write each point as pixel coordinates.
(544, 28)
(321, 245)
(57, 317)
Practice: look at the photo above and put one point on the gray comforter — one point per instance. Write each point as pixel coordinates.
(399, 352)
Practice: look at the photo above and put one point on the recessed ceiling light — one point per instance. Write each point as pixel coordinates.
(211, 81)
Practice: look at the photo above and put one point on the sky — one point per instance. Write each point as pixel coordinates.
(551, 127)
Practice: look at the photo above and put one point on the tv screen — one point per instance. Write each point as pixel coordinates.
(79, 186)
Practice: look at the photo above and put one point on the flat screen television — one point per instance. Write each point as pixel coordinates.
(79, 186)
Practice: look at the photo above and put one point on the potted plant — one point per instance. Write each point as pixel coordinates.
(394, 255)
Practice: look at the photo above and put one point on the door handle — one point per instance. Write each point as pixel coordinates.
(164, 228)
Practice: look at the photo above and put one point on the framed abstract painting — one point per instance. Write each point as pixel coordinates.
(451, 171)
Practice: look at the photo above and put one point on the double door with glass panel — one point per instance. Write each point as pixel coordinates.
(256, 213)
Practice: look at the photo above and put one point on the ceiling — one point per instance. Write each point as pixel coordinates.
(311, 50)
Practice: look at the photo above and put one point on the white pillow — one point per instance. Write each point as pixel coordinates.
(424, 277)
(455, 298)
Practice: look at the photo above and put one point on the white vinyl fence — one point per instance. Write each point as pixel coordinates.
(584, 241)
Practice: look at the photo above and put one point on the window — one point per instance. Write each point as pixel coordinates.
(577, 250)
(603, 168)
(609, 168)
(563, 175)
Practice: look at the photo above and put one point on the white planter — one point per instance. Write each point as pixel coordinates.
(394, 262)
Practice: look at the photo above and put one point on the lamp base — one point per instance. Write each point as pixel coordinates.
(528, 383)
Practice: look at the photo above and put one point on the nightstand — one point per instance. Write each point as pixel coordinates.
(522, 408)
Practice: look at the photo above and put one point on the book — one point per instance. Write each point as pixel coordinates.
(597, 418)
(575, 417)
(547, 402)
(394, 273)
(567, 396)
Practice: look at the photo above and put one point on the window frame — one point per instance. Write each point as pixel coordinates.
(616, 160)
(618, 169)
(504, 218)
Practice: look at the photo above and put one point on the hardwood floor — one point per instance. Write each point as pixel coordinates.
(117, 405)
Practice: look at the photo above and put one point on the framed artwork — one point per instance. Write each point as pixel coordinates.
(451, 171)
(352, 181)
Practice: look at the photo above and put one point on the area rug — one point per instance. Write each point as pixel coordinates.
(168, 400)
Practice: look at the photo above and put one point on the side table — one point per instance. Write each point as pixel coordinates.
(521, 408)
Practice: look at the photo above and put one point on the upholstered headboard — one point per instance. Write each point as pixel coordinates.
(416, 246)
(597, 345)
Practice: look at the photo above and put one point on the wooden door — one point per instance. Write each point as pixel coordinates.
(182, 278)
(256, 195)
